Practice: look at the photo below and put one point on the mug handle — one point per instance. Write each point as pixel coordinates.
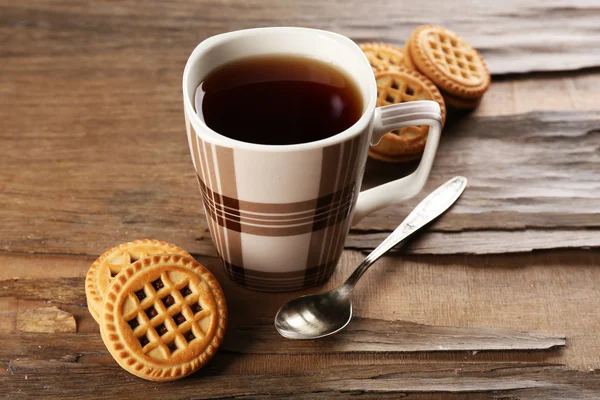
(395, 116)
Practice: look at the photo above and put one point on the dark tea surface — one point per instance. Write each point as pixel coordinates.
(278, 100)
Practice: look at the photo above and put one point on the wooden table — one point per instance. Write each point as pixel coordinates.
(499, 299)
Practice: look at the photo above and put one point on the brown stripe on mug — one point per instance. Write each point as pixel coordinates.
(330, 230)
(229, 196)
(236, 207)
(200, 168)
(342, 221)
(229, 204)
(208, 178)
(277, 228)
(332, 163)
(339, 211)
(331, 158)
(217, 199)
(328, 204)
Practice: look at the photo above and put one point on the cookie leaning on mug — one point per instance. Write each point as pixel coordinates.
(451, 63)
(109, 264)
(399, 85)
(163, 317)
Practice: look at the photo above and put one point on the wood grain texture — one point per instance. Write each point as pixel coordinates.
(518, 94)
(513, 36)
(375, 335)
(45, 320)
(481, 241)
(29, 376)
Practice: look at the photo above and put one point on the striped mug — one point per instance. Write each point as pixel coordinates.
(279, 214)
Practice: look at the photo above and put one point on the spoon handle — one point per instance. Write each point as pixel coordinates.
(426, 211)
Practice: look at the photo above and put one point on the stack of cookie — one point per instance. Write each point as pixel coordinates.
(162, 315)
(435, 64)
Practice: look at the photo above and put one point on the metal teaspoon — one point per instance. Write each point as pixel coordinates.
(318, 315)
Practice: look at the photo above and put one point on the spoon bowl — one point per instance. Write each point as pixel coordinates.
(318, 315)
(315, 315)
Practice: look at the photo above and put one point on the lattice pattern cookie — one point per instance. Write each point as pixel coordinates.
(398, 86)
(449, 61)
(163, 317)
(109, 264)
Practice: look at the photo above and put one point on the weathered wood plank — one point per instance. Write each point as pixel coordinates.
(88, 348)
(542, 92)
(55, 290)
(373, 335)
(398, 338)
(260, 337)
(482, 242)
(538, 170)
(513, 36)
(549, 381)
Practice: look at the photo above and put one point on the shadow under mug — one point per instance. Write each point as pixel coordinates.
(279, 215)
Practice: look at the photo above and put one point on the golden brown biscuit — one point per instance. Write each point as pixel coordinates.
(109, 264)
(398, 86)
(163, 317)
(382, 55)
(449, 61)
(407, 60)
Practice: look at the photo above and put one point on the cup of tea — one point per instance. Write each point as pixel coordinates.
(279, 122)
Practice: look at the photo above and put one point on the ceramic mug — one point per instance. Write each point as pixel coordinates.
(279, 214)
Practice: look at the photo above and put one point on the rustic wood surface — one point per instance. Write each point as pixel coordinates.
(499, 299)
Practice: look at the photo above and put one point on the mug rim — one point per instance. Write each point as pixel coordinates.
(356, 128)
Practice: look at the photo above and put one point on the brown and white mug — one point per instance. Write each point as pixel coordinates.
(279, 215)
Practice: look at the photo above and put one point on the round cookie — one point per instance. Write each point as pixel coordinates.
(382, 56)
(109, 264)
(401, 85)
(449, 61)
(163, 317)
